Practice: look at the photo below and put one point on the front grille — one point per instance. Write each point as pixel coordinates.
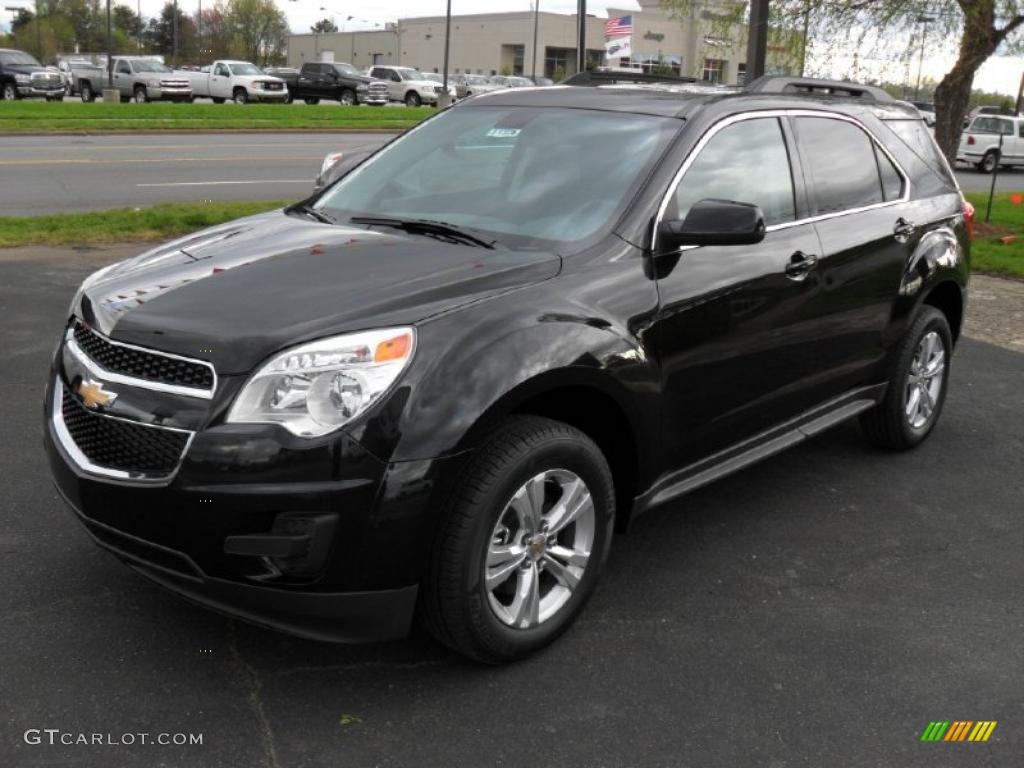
(141, 364)
(46, 78)
(122, 445)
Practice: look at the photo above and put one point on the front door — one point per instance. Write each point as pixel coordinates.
(738, 348)
(220, 82)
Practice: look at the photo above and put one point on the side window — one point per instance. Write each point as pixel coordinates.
(892, 182)
(839, 160)
(123, 68)
(1005, 127)
(222, 71)
(375, 72)
(746, 162)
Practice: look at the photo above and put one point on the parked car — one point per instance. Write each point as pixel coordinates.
(927, 110)
(470, 85)
(434, 77)
(979, 144)
(22, 77)
(239, 81)
(441, 385)
(407, 85)
(543, 82)
(67, 62)
(288, 74)
(336, 81)
(509, 81)
(138, 78)
(985, 110)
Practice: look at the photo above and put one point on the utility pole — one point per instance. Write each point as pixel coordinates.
(581, 35)
(140, 25)
(803, 44)
(174, 34)
(199, 32)
(110, 50)
(920, 66)
(757, 40)
(536, 23)
(1020, 96)
(39, 32)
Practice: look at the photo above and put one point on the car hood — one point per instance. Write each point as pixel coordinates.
(235, 294)
(24, 69)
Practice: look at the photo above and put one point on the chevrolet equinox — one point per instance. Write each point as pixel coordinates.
(436, 388)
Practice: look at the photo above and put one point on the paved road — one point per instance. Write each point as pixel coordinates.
(77, 173)
(816, 610)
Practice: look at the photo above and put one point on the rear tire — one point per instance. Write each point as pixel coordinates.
(989, 162)
(88, 97)
(510, 570)
(918, 381)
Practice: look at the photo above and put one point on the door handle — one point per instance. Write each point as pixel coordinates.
(904, 230)
(800, 265)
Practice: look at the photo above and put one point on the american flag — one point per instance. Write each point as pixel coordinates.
(622, 25)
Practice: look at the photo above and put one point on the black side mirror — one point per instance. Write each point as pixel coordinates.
(713, 222)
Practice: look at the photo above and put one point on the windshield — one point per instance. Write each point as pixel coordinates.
(18, 59)
(410, 74)
(432, 76)
(532, 174)
(476, 79)
(145, 65)
(347, 69)
(245, 69)
(521, 82)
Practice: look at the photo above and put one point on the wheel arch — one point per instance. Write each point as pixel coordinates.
(947, 297)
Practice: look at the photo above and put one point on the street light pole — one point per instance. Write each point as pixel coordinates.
(757, 40)
(536, 23)
(174, 33)
(110, 49)
(581, 35)
(447, 48)
(39, 32)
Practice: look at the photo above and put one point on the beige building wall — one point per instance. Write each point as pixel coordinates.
(491, 43)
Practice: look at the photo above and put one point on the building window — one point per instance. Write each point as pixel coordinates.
(714, 70)
(741, 73)
(556, 62)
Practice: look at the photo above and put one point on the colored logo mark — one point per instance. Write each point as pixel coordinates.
(958, 730)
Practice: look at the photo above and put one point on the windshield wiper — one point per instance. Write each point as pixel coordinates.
(313, 213)
(427, 227)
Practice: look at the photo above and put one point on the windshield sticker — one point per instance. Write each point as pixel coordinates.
(504, 133)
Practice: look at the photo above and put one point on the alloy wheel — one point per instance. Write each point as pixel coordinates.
(539, 548)
(9, 93)
(925, 380)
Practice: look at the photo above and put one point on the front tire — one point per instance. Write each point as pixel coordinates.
(347, 98)
(241, 96)
(141, 96)
(412, 99)
(10, 92)
(521, 541)
(918, 380)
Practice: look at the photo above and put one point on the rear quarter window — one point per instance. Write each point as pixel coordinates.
(916, 137)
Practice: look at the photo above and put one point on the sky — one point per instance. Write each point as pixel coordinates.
(998, 74)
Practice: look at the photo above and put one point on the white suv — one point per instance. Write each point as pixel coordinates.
(979, 144)
(407, 84)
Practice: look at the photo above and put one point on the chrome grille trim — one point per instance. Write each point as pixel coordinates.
(83, 462)
(172, 389)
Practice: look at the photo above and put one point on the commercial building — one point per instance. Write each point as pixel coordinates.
(701, 45)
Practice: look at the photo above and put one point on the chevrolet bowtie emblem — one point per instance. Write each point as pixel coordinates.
(94, 396)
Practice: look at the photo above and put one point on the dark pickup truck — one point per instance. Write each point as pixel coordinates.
(335, 81)
(22, 77)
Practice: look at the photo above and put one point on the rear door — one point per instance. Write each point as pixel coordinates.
(868, 225)
(737, 341)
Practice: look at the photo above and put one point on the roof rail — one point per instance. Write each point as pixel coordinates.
(610, 77)
(812, 87)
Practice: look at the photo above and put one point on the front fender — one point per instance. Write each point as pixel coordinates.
(474, 367)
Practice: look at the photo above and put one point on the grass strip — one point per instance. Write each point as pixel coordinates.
(988, 253)
(160, 222)
(61, 117)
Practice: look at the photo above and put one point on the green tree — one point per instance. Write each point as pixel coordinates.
(159, 33)
(260, 30)
(981, 28)
(324, 27)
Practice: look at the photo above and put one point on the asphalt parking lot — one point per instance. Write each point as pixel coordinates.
(817, 610)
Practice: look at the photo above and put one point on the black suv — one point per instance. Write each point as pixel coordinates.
(22, 77)
(440, 385)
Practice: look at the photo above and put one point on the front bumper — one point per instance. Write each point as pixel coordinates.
(170, 94)
(200, 532)
(31, 91)
(371, 98)
(269, 96)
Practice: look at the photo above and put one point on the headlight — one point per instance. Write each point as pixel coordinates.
(362, 87)
(22, 78)
(316, 388)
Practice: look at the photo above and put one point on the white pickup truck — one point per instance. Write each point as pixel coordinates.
(237, 80)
